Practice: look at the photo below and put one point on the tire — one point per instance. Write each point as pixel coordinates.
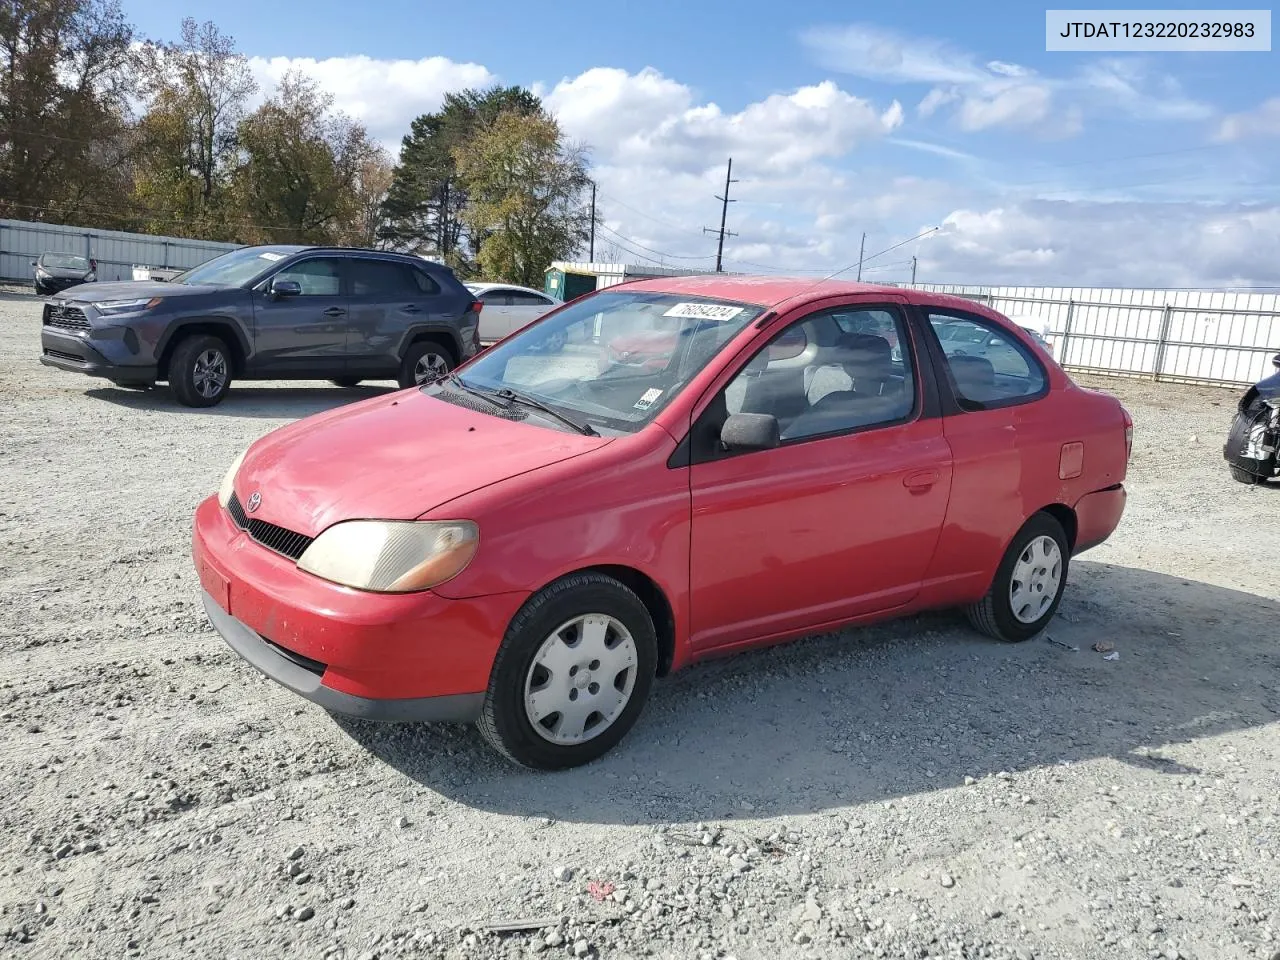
(995, 613)
(346, 382)
(201, 351)
(1244, 476)
(506, 722)
(433, 353)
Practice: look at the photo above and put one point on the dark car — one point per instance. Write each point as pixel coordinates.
(58, 271)
(268, 313)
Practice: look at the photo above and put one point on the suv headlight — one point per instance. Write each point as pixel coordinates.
(392, 556)
(109, 307)
(228, 482)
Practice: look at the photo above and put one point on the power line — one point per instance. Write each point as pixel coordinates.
(667, 256)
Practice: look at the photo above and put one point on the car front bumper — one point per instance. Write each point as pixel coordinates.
(396, 657)
(77, 353)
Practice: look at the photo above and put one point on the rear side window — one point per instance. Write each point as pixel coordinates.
(521, 299)
(382, 278)
(987, 366)
(496, 298)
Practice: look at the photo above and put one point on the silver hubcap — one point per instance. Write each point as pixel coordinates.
(430, 366)
(1036, 578)
(581, 679)
(210, 373)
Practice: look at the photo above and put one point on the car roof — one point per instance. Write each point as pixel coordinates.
(480, 287)
(771, 291)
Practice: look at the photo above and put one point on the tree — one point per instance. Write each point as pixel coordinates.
(300, 165)
(425, 201)
(65, 78)
(186, 141)
(372, 181)
(527, 194)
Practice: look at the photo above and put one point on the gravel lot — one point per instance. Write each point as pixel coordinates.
(910, 790)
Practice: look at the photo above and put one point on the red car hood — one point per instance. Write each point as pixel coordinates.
(390, 458)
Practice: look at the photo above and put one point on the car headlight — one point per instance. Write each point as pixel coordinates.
(109, 307)
(392, 556)
(228, 488)
(41, 272)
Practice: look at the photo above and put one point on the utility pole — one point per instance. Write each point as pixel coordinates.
(913, 271)
(724, 212)
(591, 257)
(862, 248)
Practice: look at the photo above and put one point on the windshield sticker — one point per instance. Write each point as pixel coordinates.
(649, 398)
(704, 311)
(268, 255)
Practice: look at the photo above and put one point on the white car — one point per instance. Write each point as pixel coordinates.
(507, 308)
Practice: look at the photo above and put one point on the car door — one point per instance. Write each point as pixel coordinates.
(306, 334)
(387, 298)
(1004, 440)
(495, 317)
(842, 518)
(526, 307)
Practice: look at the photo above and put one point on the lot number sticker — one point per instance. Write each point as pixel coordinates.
(704, 311)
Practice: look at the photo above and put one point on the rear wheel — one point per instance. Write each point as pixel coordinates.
(1244, 476)
(424, 362)
(200, 370)
(572, 674)
(1028, 584)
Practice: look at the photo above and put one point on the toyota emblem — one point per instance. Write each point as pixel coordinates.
(255, 501)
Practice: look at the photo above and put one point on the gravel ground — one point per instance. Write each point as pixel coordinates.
(908, 790)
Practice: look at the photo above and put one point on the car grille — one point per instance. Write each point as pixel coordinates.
(284, 542)
(65, 316)
(58, 354)
(306, 663)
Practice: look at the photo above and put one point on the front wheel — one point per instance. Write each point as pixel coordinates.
(200, 371)
(572, 674)
(1028, 584)
(425, 362)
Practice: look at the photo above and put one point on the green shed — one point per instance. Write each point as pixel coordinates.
(568, 285)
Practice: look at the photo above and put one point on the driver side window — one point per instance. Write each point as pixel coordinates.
(833, 372)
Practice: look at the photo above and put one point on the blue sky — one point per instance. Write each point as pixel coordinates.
(1131, 169)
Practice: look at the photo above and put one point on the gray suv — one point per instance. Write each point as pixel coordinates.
(268, 313)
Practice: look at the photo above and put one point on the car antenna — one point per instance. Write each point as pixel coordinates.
(831, 276)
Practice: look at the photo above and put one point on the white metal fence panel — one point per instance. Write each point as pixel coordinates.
(116, 252)
(1195, 336)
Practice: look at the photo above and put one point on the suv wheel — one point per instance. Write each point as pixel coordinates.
(200, 370)
(425, 361)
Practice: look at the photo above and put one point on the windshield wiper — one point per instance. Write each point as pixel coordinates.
(506, 393)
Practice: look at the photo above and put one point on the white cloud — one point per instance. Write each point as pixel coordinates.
(386, 95)
(1262, 122)
(1106, 244)
(999, 93)
(651, 120)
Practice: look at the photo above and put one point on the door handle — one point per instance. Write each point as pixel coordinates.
(412, 308)
(921, 480)
(335, 312)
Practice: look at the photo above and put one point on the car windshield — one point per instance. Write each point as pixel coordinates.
(611, 360)
(65, 261)
(232, 269)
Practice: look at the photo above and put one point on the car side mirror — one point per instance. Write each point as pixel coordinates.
(750, 431)
(285, 288)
